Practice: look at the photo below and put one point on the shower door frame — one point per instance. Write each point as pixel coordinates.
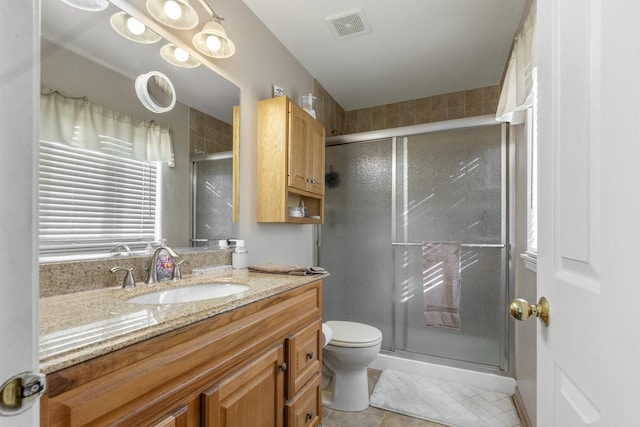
(507, 346)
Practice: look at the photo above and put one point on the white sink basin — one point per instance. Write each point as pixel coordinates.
(191, 293)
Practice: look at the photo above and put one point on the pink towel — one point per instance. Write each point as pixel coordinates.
(441, 283)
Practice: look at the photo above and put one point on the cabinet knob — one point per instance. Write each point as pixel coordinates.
(310, 355)
(283, 367)
(309, 416)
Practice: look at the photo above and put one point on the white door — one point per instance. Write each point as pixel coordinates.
(589, 219)
(19, 111)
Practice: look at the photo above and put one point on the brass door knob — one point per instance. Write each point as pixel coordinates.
(521, 310)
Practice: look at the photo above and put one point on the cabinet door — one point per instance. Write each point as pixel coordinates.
(178, 418)
(251, 397)
(298, 143)
(315, 157)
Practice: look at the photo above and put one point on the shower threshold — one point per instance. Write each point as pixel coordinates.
(481, 376)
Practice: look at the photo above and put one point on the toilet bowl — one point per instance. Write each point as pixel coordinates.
(350, 350)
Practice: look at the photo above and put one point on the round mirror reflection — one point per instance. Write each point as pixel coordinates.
(155, 91)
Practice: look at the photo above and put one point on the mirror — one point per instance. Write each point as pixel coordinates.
(83, 56)
(156, 92)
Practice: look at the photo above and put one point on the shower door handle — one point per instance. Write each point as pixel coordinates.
(521, 310)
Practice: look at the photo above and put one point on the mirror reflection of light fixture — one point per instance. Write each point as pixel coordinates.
(132, 29)
(177, 14)
(212, 40)
(155, 91)
(177, 56)
(88, 5)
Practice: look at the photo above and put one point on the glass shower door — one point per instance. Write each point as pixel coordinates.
(384, 198)
(354, 240)
(450, 187)
(212, 199)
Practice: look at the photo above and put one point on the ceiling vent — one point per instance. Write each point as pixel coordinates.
(348, 24)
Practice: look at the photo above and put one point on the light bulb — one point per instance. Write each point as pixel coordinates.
(135, 26)
(180, 54)
(213, 43)
(172, 9)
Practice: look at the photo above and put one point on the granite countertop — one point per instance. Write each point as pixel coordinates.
(83, 325)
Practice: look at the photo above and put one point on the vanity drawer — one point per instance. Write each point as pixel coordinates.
(304, 354)
(305, 409)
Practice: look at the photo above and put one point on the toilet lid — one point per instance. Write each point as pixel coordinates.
(352, 334)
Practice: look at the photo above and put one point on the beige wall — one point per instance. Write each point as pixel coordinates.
(260, 61)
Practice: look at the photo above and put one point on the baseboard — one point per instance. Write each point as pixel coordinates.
(522, 411)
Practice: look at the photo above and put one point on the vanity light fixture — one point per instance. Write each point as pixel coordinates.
(88, 5)
(178, 56)
(132, 29)
(177, 14)
(213, 41)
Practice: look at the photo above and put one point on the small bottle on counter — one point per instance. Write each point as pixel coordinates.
(240, 256)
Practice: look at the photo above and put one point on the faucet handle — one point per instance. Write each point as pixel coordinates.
(177, 272)
(129, 281)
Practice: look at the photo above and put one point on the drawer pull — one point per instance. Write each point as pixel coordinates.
(309, 416)
(310, 355)
(283, 367)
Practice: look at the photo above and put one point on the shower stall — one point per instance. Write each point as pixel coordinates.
(211, 199)
(389, 191)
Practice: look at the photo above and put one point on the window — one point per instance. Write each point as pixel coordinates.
(530, 257)
(99, 177)
(532, 182)
(91, 201)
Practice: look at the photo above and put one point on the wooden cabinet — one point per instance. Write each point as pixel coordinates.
(257, 365)
(290, 162)
(176, 419)
(306, 151)
(250, 397)
(305, 409)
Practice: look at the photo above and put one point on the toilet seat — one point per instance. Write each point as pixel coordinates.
(354, 335)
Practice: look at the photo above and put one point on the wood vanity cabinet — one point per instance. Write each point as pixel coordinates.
(290, 162)
(257, 366)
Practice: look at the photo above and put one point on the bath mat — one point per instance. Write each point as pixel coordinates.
(452, 404)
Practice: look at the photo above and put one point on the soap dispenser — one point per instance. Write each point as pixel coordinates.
(240, 256)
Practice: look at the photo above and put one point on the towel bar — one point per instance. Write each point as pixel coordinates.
(466, 245)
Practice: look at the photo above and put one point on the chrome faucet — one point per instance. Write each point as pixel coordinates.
(153, 268)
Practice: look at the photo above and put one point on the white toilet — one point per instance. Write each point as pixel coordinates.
(349, 349)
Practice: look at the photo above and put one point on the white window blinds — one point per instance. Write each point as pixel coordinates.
(91, 201)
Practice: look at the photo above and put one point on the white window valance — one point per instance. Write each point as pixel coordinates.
(79, 123)
(517, 90)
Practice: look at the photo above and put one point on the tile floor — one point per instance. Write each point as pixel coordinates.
(371, 417)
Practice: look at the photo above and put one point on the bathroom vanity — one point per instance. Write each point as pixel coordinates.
(248, 359)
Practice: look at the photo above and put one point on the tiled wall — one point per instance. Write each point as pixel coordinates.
(208, 134)
(470, 103)
(328, 111)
